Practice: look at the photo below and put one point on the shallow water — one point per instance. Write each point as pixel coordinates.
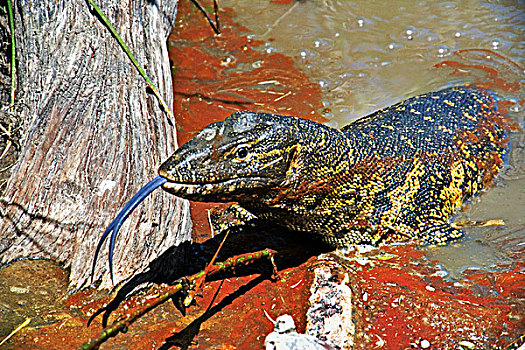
(369, 55)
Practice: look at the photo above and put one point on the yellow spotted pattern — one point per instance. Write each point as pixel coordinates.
(403, 171)
(399, 173)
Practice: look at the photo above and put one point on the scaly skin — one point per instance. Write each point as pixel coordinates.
(398, 173)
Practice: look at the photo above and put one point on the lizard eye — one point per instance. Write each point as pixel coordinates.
(241, 153)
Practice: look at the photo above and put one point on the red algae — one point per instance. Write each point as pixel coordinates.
(399, 300)
(231, 313)
(402, 301)
(283, 2)
(214, 76)
(490, 69)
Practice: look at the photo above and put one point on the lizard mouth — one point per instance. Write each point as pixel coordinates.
(214, 191)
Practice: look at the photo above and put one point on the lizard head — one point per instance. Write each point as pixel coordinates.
(235, 158)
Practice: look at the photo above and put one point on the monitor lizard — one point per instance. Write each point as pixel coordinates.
(398, 173)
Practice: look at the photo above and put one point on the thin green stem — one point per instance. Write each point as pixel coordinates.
(25, 323)
(132, 58)
(13, 61)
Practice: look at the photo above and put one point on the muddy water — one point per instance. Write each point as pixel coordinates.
(367, 55)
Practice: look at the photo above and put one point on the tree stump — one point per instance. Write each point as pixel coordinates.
(92, 135)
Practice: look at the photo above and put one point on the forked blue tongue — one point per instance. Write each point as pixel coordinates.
(115, 225)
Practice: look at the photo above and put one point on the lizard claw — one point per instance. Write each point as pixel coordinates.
(115, 225)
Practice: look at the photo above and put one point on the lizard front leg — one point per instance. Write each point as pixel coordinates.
(229, 218)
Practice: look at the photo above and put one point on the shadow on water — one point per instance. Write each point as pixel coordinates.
(293, 249)
(184, 338)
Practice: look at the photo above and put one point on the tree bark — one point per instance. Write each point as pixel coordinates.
(92, 136)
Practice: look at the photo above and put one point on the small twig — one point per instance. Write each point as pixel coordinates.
(6, 149)
(171, 291)
(269, 317)
(280, 19)
(283, 96)
(25, 323)
(13, 61)
(132, 58)
(5, 131)
(7, 168)
(216, 10)
(481, 223)
(214, 26)
(198, 283)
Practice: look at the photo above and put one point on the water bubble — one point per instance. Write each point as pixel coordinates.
(495, 44)
(337, 35)
(363, 21)
(323, 83)
(269, 48)
(257, 64)
(322, 44)
(227, 61)
(457, 35)
(443, 50)
(410, 32)
(307, 53)
(393, 46)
